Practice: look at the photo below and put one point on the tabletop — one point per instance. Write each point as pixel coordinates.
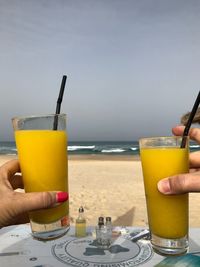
(18, 248)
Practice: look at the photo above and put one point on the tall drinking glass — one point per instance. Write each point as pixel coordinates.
(162, 157)
(42, 154)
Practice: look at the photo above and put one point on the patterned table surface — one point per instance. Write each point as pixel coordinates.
(18, 248)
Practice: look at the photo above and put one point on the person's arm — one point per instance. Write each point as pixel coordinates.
(14, 206)
(189, 182)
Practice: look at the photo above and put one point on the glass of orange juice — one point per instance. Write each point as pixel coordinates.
(162, 157)
(42, 153)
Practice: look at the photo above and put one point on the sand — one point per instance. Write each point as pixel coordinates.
(111, 186)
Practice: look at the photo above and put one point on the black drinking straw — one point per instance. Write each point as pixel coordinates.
(189, 122)
(59, 101)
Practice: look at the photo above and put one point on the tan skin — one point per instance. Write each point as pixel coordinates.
(189, 182)
(14, 206)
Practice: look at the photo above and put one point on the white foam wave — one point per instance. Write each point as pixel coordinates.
(194, 146)
(74, 148)
(134, 148)
(8, 148)
(117, 150)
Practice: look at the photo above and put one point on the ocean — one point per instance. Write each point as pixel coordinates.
(80, 148)
(89, 148)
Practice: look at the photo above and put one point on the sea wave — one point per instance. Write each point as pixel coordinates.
(116, 150)
(8, 150)
(104, 148)
(134, 148)
(194, 146)
(74, 148)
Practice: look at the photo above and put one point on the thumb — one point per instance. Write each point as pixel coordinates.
(39, 200)
(179, 184)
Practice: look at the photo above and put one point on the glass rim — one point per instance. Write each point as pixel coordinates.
(163, 137)
(38, 116)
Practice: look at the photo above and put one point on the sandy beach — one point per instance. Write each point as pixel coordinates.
(111, 186)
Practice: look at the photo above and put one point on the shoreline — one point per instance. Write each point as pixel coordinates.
(84, 157)
(104, 157)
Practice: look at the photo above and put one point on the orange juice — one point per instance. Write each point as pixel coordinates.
(167, 215)
(43, 161)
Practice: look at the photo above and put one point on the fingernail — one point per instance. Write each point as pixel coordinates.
(61, 197)
(164, 186)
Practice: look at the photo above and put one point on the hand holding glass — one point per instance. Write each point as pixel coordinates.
(162, 157)
(42, 153)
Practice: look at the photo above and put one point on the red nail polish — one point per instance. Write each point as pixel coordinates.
(61, 197)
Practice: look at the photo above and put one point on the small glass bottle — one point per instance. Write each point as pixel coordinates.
(109, 227)
(104, 233)
(109, 222)
(99, 227)
(81, 224)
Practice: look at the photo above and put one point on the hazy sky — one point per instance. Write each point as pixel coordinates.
(133, 66)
